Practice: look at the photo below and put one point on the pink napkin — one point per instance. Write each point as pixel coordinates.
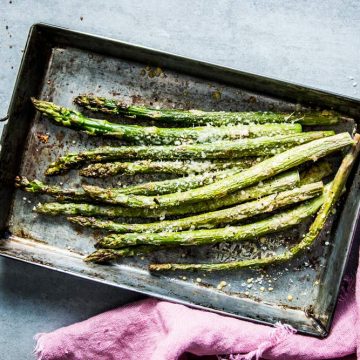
(159, 330)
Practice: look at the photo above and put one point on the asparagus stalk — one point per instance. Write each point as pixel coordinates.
(105, 255)
(165, 167)
(238, 181)
(283, 182)
(331, 195)
(198, 117)
(36, 186)
(108, 195)
(251, 231)
(316, 172)
(211, 219)
(263, 146)
(154, 135)
(150, 188)
(71, 209)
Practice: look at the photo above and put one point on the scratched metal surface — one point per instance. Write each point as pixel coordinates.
(53, 242)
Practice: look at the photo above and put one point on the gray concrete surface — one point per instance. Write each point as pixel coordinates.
(316, 43)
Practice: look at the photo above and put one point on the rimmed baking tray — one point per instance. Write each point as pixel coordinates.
(57, 65)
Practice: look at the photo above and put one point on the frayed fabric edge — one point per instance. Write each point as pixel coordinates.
(281, 331)
(277, 335)
(39, 348)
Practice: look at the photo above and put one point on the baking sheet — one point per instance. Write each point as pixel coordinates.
(68, 63)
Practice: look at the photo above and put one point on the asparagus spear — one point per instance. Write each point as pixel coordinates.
(213, 219)
(238, 181)
(316, 172)
(283, 182)
(150, 188)
(105, 255)
(109, 195)
(251, 231)
(169, 167)
(56, 208)
(331, 195)
(154, 135)
(263, 146)
(198, 117)
(280, 183)
(36, 186)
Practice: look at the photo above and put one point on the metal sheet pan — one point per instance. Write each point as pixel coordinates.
(57, 65)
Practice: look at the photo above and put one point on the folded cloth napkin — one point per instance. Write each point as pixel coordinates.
(157, 330)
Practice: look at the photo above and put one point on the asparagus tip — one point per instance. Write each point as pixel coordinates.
(98, 245)
(19, 181)
(52, 171)
(39, 208)
(81, 220)
(159, 267)
(39, 104)
(100, 257)
(34, 101)
(24, 183)
(87, 187)
(81, 99)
